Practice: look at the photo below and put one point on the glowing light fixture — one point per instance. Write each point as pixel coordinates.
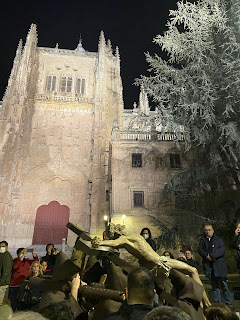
(123, 217)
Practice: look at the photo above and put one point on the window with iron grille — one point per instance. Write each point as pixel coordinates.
(138, 199)
(80, 87)
(175, 160)
(136, 160)
(51, 83)
(66, 84)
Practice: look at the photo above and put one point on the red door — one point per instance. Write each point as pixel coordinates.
(50, 224)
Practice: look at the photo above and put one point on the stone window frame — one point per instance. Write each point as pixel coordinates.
(80, 86)
(137, 160)
(69, 78)
(138, 189)
(49, 84)
(138, 195)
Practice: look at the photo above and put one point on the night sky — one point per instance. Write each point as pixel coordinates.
(129, 24)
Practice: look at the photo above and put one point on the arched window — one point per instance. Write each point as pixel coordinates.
(51, 83)
(80, 87)
(66, 84)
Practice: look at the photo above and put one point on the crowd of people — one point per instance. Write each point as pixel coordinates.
(56, 287)
(16, 273)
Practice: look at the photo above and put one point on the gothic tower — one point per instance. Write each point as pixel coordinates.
(55, 129)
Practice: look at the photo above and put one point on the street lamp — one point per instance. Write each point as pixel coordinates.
(105, 218)
(123, 217)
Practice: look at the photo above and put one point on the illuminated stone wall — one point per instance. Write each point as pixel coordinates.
(54, 144)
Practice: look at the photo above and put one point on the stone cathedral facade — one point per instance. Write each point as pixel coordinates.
(67, 153)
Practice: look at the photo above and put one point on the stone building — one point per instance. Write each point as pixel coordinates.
(67, 153)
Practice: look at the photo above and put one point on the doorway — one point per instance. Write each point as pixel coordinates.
(50, 224)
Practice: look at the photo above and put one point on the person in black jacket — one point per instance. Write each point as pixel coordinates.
(5, 269)
(211, 248)
(51, 256)
(147, 235)
(139, 293)
(235, 244)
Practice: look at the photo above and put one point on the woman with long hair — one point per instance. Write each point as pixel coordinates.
(29, 297)
(147, 235)
(35, 270)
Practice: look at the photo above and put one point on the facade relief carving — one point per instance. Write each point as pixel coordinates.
(56, 187)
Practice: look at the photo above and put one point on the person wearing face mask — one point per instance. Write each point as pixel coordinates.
(146, 234)
(168, 255)
(5, 269)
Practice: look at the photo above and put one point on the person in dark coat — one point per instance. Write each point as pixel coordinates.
(29, 297)
(211, 248)
(51, 256)
(139, 293)
(147, 235)
(235, 244)
(5, 269)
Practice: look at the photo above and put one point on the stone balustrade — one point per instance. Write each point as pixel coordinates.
(58, 98)
(67, 52)
(145, 136)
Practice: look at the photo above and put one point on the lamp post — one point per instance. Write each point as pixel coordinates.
(123, 217)
(105, 218)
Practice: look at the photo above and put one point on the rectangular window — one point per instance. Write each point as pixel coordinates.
(69, 84)
(138, 199)
(83, 86)
(136, 160)
(175, 161)
(63, 84)
(51, 83)
(80, 85)
(66, 84)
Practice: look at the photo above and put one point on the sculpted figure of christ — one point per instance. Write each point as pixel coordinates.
(138, 247)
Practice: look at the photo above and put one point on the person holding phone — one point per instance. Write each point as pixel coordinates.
(51, 255)
(20, 270)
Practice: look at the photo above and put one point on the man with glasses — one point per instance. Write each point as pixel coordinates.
(211, 248)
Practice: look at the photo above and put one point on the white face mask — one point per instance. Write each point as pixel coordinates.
(145, 236)
(2, 249)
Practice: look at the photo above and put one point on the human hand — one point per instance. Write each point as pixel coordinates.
(208, 258)
(22, 254)
(182, 255)
(54, 251)
(75, 284)
(34, 253)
